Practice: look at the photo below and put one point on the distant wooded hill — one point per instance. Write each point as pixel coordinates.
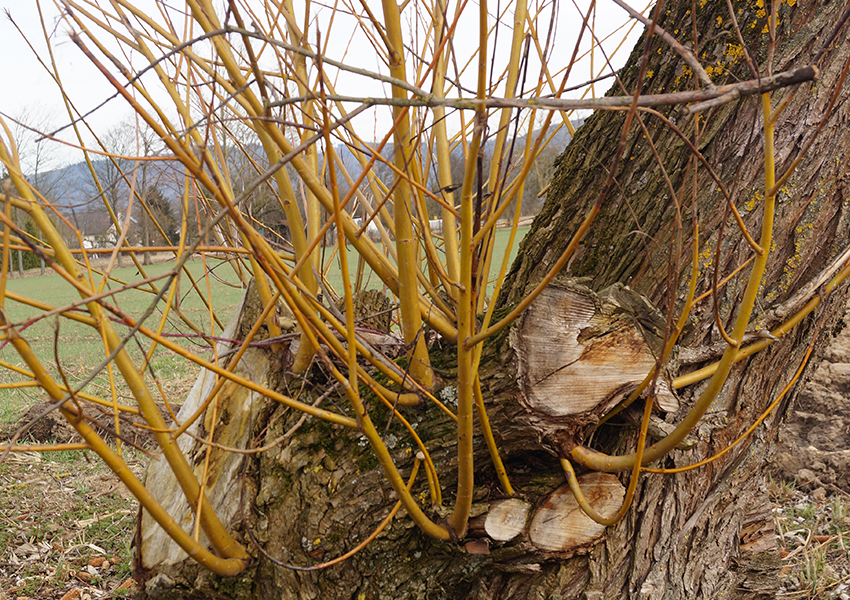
(72, 191)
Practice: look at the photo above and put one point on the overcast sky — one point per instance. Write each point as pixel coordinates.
(30, 91)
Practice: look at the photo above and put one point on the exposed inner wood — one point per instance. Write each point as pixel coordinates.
(559, 525)
(506, 519)
(579, 355)
(236, 407)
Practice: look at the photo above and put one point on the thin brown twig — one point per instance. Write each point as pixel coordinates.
(685, 53)
(704, 98)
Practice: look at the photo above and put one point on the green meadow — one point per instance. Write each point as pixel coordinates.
(79, 348)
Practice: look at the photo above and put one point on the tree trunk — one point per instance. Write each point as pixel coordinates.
(704, 533)
(146, 237)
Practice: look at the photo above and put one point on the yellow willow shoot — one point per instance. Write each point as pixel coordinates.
(443, 152)
(406, 247)
(607, 463)
(330, 154)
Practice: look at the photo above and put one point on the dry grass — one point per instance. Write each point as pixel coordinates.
(813, 535)
(64, 526)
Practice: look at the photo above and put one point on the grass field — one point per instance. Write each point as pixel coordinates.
(80, 349)
(66, 528)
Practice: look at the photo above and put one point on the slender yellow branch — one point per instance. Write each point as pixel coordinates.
(603, 462)
(221, 540)
(406, 243)
(633, 480)
(459, 519)
(750, 429)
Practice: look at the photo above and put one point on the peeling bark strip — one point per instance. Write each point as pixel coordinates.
(578, 356)
(234, 407)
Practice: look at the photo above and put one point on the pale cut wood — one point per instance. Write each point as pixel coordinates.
(579, 356)
(506, 519)
(559, 525)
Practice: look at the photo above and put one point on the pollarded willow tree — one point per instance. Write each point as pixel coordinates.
(597, 423)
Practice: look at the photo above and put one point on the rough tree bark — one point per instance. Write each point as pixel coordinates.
(701, 534)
